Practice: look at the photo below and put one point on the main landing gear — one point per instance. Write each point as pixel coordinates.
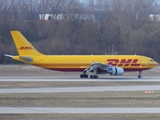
(84, 75)
(91, 76)
(94, 76)
(140, 76)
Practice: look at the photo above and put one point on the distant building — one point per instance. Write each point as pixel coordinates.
(66, 17)
(50, 17)
(154, 17)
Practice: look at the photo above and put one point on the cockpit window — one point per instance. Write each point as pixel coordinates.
(151, 60)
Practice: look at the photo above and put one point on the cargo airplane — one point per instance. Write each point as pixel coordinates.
(97, 64)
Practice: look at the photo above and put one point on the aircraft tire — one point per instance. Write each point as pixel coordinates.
(94, 76)
(139, 76)
(91, 76)
(83, 76)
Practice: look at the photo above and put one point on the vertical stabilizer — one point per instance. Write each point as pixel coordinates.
(23, 46)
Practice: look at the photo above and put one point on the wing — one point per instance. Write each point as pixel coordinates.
(112, 70)
(95, 66)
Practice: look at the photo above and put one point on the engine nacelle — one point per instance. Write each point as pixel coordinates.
(116, 71)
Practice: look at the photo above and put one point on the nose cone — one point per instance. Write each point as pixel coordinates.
(152, 64)
(156, 64)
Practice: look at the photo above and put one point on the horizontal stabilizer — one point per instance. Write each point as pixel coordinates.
(27, 59)
(11, 56)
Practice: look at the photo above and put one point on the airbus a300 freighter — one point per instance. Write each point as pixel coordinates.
(97, 64)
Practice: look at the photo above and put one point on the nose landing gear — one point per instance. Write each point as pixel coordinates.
(140, 76)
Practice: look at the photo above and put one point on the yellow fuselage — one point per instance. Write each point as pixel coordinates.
(81, 62)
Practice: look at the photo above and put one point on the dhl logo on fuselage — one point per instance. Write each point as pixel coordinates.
(123, 62)
(26, 48)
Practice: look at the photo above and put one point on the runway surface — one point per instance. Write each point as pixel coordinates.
(48, 79)
(80, 89)
(32, 110)
(44, 110)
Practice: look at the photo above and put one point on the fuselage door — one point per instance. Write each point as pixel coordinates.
(143, 62)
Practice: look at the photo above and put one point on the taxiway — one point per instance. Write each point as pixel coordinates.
(80, 89)
(51, 79)
(32, 110)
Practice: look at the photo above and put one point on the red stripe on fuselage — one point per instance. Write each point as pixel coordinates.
(81, 69)
(135, 69)
(67, 69)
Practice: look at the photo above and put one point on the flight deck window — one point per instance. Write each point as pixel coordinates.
(151, 60)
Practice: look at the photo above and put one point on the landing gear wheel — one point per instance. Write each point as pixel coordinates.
(139, 76)
(83, 76)
(91, 76)
(94, 76)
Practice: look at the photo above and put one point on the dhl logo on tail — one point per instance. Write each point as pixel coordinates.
(123, 62)
(26, 48)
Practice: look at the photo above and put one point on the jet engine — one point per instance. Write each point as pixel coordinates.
(116, 71)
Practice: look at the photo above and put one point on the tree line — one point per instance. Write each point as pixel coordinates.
(111, 27)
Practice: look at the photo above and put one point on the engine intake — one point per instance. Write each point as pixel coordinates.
(116, 71)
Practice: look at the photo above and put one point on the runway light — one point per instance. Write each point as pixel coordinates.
(149, 92)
